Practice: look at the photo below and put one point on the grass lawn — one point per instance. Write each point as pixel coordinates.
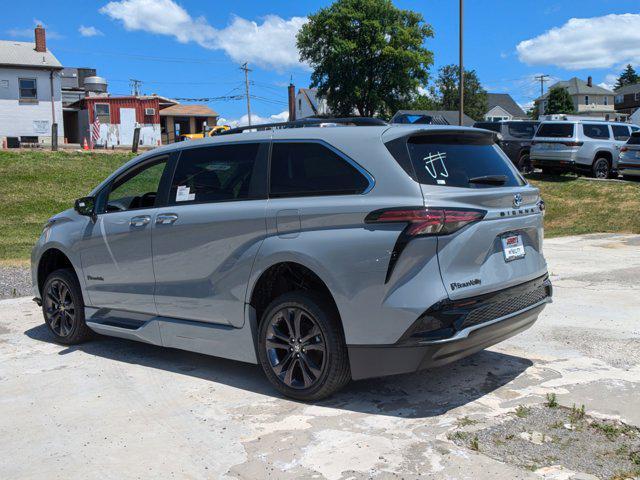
(35, 185)
(579, 205)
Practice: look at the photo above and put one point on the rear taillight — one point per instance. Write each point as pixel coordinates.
(427, 221)
(624, 149)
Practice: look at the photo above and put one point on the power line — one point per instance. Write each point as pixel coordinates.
(246, 70)
(210, 99)
(542, 79)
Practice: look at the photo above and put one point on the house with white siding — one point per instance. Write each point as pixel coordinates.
(30, 91)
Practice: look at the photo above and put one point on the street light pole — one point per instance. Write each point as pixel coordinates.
(461, 74)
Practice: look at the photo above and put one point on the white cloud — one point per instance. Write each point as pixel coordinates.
(609, 81)
(270, 44)
(89, 31)
(255, 119)
(598, 42)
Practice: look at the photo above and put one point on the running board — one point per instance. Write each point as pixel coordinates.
(208, 338)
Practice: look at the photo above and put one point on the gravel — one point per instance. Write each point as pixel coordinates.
(15, 282)
(544, 439)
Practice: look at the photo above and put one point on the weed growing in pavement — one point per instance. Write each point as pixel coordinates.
(552, 401)
(465, 421)
(474, 444)
(457, 435)
(522, 411)
(576, 414)
(612, 431)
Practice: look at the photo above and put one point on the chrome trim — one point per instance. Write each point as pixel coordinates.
(462, 334)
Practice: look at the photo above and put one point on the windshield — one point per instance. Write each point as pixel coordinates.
(556, 130)
(458, 161)
(522, 129)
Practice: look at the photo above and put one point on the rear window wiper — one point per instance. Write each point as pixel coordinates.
(490, 179)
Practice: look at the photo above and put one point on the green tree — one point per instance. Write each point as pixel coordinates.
(367, 55)
(534, 112)
(628, 77)
(559, 101)
(448, 87)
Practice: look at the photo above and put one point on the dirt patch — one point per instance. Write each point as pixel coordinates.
(540, 437)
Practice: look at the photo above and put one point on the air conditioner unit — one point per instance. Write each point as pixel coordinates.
(150, 111)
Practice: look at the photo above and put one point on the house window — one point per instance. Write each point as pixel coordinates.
(28, 89)
(606, 100)
(637, 97)
(103, 112)
(619, 99)
(299, 104)
(586, 99)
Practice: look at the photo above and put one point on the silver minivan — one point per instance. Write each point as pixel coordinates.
(322, 254)
(590, 147)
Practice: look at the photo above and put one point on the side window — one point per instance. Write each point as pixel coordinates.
(28, 88)
(635, 129)
(303, 169)
(137, 188)
(103, 112)
(620, 132)
(593, 130)
(220, 173)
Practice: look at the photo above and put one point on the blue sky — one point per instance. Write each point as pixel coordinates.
(188, 48)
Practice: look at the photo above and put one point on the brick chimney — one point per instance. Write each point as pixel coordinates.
(292, 102)
(590, 81)
(41, 39)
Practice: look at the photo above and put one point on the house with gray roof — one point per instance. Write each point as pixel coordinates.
(431, 117)
(503, 107)
(30, 91)
(627, 99)
(588, 99)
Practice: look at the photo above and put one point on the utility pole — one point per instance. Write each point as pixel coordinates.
(246, 70)
(542, 78)
(461, 82)
(135, 86)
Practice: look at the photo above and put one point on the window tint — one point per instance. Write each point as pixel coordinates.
(635, 129)
(220, 173)
(555, 130)
(452, 160)
(28, 88)
(593, 130)
(493, 126)
(634, 139)
(299, 169)
(136, 188)
(522, 129)
(620, 132)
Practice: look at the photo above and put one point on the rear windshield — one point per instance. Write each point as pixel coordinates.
(452, 161)
(522, 129)
(556, 130)
(493, 126)
(634, 139)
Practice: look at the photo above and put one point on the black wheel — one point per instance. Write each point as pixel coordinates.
(63, 307)
(601, 168)
(301, 347)
(524, 163)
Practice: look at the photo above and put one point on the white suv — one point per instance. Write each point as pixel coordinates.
(590, 147)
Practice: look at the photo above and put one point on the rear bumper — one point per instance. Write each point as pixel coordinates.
(368, 361)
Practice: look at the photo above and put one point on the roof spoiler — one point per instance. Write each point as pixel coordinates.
(311, 122)
(480, 134)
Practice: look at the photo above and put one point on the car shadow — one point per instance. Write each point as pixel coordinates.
(554, 178)
(416, 395)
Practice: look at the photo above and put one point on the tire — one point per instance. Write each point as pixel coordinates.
(63, 308)
(524, 163)
(601, 168)
(309, 370)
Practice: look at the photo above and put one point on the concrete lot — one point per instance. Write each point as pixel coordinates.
(118, 409)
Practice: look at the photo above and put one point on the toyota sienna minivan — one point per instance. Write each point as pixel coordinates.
(322, 254)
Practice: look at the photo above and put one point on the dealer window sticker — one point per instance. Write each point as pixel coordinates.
(183, 194)
(434, 164)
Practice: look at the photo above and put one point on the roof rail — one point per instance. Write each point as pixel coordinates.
(310, 122)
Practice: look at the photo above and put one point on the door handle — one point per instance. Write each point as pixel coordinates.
(140, 221)
(166, 218)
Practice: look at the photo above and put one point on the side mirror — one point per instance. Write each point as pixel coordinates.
(85, 206)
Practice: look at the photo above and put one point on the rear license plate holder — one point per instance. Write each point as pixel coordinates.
(512, 247)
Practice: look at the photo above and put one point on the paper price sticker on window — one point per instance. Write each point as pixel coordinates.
(183, 194)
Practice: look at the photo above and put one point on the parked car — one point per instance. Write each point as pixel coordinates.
(590, 147)
(515, 139)
(629, 159)
(216, 130)
(323, 254)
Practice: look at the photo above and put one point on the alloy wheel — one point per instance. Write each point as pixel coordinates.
(59, 308)
(602, 169)
(296, 348)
